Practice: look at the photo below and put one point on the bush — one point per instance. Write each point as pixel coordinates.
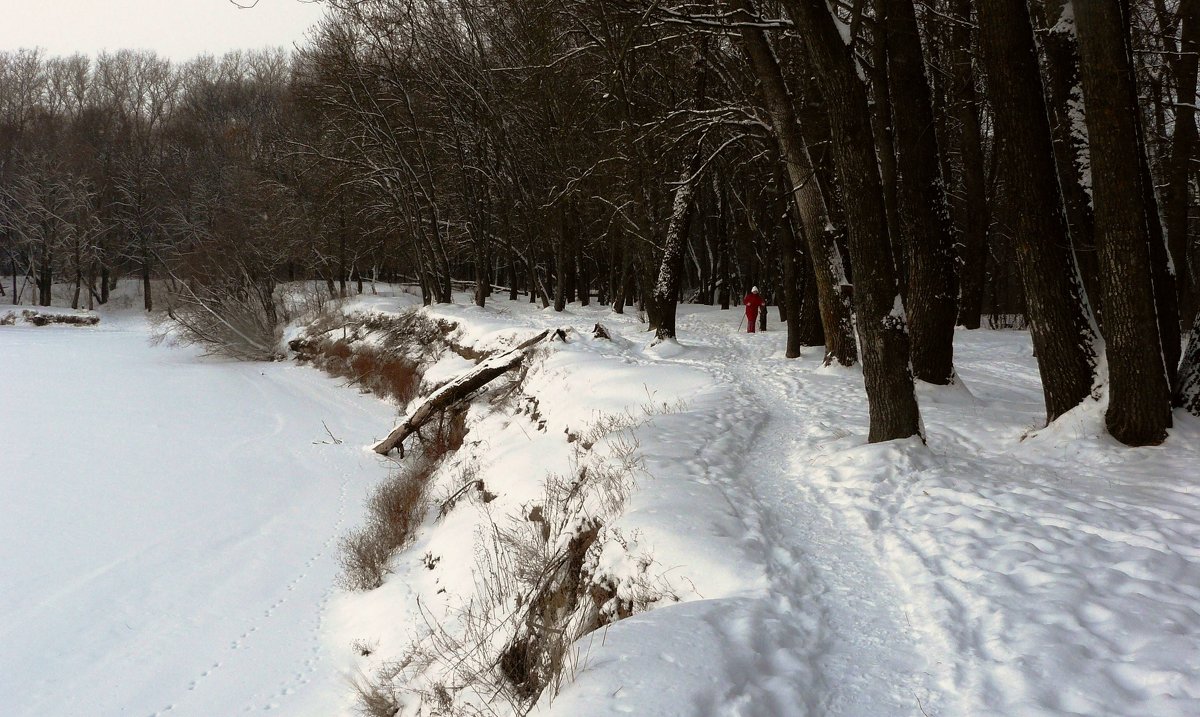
(237, 319)
(395, 510)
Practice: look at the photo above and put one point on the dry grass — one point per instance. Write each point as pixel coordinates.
(395, 510)
(389, 365)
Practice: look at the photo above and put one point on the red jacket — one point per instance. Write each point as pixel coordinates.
(753, 302)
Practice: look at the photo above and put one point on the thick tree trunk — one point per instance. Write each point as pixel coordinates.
(1056, 304)
(973, 207)
(1139, 408)
(885, 146)
(806, 194)
(883, 336)
(924, 216)
(1065, 102)
(1183, 150)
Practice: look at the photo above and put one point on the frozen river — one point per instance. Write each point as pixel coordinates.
(168, 526)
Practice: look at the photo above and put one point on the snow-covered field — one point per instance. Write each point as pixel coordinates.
(168, 525)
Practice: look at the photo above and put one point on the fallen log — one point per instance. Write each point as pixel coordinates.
(455, 391)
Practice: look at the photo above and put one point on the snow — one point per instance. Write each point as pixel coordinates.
(168, 526)
(790, 567)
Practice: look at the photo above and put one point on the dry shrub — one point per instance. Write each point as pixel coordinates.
(534, 592)
(375, 699)
(448, 435)
(396, 378)
(390, 364)
(395, 509)
(338, 350)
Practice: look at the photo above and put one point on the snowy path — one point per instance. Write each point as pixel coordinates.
(831, 631)
(990, 573)
(168, 526)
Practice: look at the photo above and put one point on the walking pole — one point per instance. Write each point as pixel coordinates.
(741, 322)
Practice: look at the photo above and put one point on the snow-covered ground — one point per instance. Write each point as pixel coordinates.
(999, 570)
(168, 525)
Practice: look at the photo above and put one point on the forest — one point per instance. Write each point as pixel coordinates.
(885, 170)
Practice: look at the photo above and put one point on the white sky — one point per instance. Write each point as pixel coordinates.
(178, 29)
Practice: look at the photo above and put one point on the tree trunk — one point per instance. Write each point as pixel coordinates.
(790, 306)
(973, 207)
(148, 297)
(924, 216)
(818, 229)
(1183, 149)
(1139, 408)
(105, 288)
(885, 146)
(455, 391)
(1187, 387)
(664, 298)
(560, 263)
(1059, 317)
(883, 336)
(1070, 141)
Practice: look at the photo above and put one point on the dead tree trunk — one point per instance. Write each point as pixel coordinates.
(455, 391)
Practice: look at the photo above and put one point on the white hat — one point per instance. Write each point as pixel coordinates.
(754, 290)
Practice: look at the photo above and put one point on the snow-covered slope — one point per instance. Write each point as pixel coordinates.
(999, 570)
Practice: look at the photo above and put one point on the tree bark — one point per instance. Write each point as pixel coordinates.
(1187, 387)
(1183, 150)
(455, 391)
(1065, 102)
(1056, 305)
(885, 145)
(1139, 408)
(806, 194)
(883, 336)
(973, 207)
(664, 298)
(925, 221)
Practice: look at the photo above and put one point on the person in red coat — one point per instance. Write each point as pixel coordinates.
(753, 303)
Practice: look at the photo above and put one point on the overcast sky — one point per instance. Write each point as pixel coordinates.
(178, 29)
